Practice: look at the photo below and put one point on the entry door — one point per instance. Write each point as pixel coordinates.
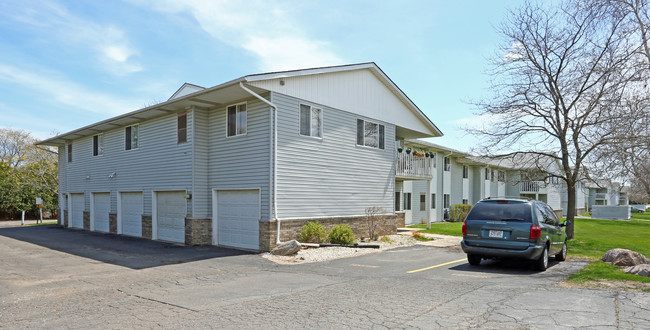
(171, 208)
(238, 216)
(76, 212)
(131, 213)
(101, 208)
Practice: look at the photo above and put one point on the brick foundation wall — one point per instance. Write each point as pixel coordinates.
(146, 226)
(112, 223)
(86, 220)
(198, 231)
(65, 218)
(290, 229)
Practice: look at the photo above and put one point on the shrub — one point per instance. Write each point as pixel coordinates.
(458, 212)
(313, 232)
(341, 234)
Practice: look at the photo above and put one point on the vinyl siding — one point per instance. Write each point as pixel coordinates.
(62, 159)
(201, 193)
(159, 163)
(242, 161)
(331, 176)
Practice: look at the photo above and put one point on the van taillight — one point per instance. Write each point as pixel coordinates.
(464, 228)
(535, 231)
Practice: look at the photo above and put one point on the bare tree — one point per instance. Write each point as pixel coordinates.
(557, 84)
(374, 216)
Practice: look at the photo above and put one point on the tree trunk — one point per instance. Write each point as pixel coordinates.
(571, 209)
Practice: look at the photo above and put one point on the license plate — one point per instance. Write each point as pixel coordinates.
(496, 233)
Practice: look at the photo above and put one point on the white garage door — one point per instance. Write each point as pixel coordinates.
(131, 214)
(171, 208)
(101, 208)
(77, 211)
(238, 215)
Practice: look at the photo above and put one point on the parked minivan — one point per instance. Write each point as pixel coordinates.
(514, 228)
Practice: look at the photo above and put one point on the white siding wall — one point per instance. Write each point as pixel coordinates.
(455, 182)
(242, 161)
(201, 196)
(159, 163)
(331, 176)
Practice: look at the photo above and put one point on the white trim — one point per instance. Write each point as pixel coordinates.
(311, 108)
(69, 210)
(92, 211)
(119, 213)
(132, 125)
(154, 209)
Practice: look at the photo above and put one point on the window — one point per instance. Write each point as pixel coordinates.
(370, 134)
(446, 164)
(98, 145)
(407, 201)
(182, 127)
(501, 176)
(445, 201)
(311, 121)
(237, 119)
(397, 200)
(131, 137)
(433, 201)
(492, 175)
(487, 173)
(423, 202)
(69, 152)
(465, 172)
(465, 201)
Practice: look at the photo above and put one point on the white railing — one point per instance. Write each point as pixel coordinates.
(411, 166)
(531, 186)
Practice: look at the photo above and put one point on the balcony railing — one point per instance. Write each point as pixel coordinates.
(601, 195)
(531, 186)
(410, 166)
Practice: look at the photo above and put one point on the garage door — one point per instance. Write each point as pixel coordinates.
(77, 211)
(238, 215)
(131, 213)
(101, 208)
(171, 210)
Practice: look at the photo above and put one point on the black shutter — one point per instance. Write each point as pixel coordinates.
(381, 137)
(95, 145)
(127, 138)
(360, 131)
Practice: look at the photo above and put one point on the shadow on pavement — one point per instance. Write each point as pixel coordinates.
(505, 266)
(131, 252)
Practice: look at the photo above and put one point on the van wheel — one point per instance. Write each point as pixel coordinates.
(542, 263)
(473, 260)
(562, 255)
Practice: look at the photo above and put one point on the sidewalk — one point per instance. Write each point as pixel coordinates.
(438, 240)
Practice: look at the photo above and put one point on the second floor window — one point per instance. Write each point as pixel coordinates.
(98, 145)
(182, 127)
(447, 164)
(69, 152)
(131, 137)
(311, 121)
(465, 172)
(237, 119)
(370, 134)
(487, 174)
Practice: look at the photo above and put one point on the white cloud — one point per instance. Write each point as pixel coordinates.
(478, 121)
(260, 27)
(516, 52)
(54, 87)
(109, 43)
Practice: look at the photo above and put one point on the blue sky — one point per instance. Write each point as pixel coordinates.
(67, 64)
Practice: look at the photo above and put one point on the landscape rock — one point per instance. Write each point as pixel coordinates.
(643, 270)
(287, 248)
(624, 257)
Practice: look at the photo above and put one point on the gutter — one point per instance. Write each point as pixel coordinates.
(273, 162)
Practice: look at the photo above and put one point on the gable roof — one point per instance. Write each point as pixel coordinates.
(193, 95)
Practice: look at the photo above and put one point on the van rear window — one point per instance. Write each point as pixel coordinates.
(501, 211)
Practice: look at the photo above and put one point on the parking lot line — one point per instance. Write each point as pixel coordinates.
(440, 265)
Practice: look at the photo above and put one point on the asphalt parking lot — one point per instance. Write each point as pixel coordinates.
(56, 278)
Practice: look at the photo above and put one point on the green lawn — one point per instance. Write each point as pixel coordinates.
(43, 224)
(595, 237)
(442, 228)
(641, 216)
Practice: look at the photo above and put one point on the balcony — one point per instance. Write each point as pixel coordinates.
(535, 187)
(601, 195)
(413, 167)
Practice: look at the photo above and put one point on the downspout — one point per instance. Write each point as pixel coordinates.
(272, 162)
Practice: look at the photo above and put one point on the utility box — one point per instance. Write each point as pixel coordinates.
(623, 212)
